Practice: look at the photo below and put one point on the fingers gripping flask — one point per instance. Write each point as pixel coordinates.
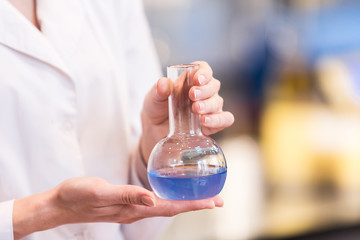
(185, 165)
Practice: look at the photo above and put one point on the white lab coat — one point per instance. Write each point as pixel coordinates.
(70, 101)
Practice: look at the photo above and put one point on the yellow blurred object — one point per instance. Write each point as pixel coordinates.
(310, 151)
(306, 143)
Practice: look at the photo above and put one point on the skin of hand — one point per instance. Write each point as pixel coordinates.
(206, 102)
(80, 200)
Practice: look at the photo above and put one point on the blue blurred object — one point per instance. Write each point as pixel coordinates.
(354, 68)
(331, 30)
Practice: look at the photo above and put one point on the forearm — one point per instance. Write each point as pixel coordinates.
(35, 213)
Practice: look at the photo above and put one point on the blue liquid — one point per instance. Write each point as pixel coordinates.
(184, 183)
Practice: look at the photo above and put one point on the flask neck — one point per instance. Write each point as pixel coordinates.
(181, 118)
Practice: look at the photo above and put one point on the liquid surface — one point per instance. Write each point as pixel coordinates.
(187, 183)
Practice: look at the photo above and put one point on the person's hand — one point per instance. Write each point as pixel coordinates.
(80, 200)
(206, 102)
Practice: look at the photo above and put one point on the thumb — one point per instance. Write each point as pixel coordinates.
(163, 89)
(156, 102)
(129, 194)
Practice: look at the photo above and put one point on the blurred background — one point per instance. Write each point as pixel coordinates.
(290, 73)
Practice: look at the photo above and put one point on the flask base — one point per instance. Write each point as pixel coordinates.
(184, 183)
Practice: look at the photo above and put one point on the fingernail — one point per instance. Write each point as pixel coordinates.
(219, 202)
(201, 79)
(148, 201)
(197, 94)
(201, 107)
(207, 120)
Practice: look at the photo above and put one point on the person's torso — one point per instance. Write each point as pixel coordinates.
(64, 103)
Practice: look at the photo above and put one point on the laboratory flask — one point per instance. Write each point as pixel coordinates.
(185, 165)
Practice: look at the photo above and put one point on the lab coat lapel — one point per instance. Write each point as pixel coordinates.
(62, 22)
(19, 34)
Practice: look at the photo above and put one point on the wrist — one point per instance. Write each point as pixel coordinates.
(146, 138)
(141, 152)
(151, 134)
(36, 213)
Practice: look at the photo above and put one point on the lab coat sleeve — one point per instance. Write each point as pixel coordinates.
(143, 69)
(138, 171)
(6, 227)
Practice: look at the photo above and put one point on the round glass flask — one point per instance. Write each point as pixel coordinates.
(185, 165)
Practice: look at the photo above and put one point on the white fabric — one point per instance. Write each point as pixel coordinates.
(70, 101)
(6, 230)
